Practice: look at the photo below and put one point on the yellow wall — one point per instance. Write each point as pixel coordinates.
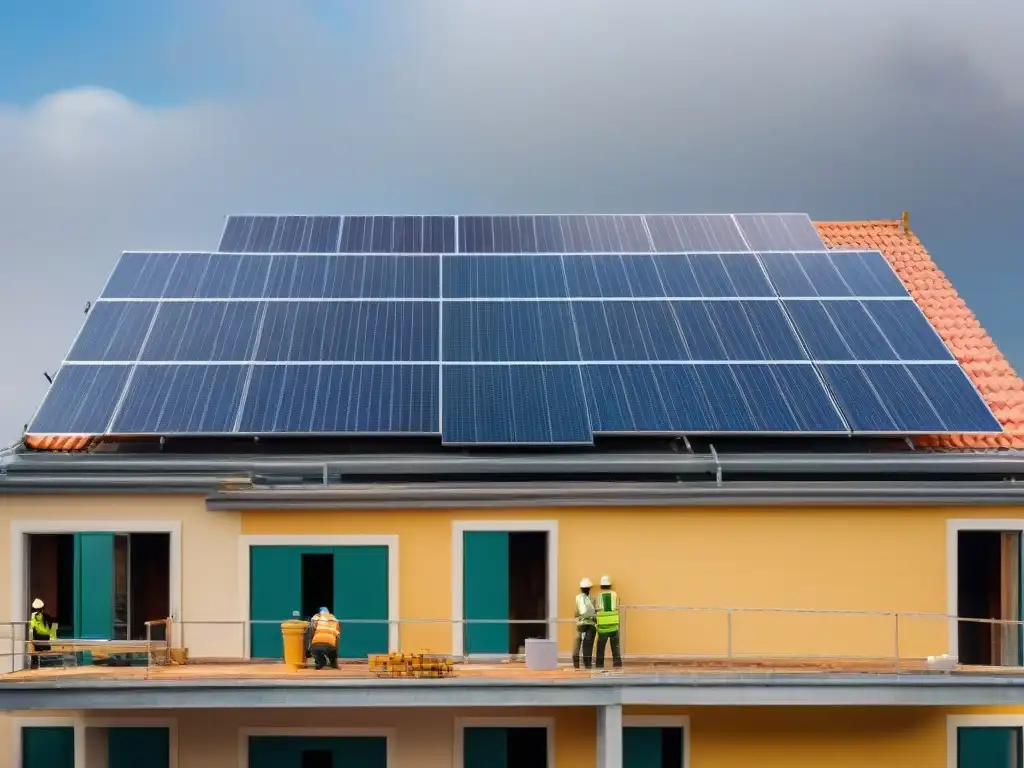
(720, 737)
(832, 559)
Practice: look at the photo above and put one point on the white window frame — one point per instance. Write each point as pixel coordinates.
(462, 723)
(19, 560)
(247, 542)
(81, 723)
(18, 724)
(389, 734)
(955, 722)
(460, 528)
(953, 529)
(663, 721)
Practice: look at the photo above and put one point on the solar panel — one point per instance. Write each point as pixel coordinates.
(281, 234)
(779, 232)
(500, 330)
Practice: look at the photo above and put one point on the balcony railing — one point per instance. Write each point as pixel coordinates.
(691, 638)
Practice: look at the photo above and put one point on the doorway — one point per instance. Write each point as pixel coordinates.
(100, 585)
(317, 583)
(505, 590)
(989, 587)
(487, 746)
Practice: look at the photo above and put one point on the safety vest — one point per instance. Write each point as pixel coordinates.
(584, 610)
(326, 631)
(40, 628)
(607, 613)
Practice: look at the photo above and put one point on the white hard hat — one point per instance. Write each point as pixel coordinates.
(606, 581)
(585, 583)
(37, 604)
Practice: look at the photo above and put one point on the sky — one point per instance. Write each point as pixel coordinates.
(142, 125)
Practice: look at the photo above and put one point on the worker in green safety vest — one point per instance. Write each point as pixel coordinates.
(42, 629)
(584, 612)
(608, 623)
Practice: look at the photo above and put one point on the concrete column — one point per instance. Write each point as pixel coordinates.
(95, 751)
(609, 736)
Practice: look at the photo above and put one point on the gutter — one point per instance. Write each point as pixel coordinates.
(598, 494)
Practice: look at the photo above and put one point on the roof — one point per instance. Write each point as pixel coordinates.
(992, 374)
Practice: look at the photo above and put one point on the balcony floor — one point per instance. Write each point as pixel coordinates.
(512, 671)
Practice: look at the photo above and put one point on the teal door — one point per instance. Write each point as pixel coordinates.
(988, 748)
(485, 591)
(641, 747)
(128, 747)
(361, 592)
(48, 747)
(346, 752)
(485, 748)
(275, 587)
(94, 586)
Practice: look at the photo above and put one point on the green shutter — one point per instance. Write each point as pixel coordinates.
(94, 586)
(48, 747)
(988, 748)
(361, 592)
(128, 747)
(485, 591)
(641, 747)
(485, 748)
(275, 590)
(347, 751)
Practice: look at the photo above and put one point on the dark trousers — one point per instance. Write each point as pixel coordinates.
(324, 655)
(585, 644)
(41, 647)
(602, 641)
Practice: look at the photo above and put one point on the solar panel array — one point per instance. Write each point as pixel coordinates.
(513, 330)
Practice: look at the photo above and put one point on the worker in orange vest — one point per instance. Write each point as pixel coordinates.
(323, 646)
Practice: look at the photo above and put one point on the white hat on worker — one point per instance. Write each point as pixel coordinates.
(606, 581)
(37, 604)
(586, 583)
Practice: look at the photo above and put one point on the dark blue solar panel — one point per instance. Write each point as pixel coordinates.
(612, 275)
(910, 399)
(81, 400)
(497, 276)
(492, 331)
(366, 331)
(181, 399)
(113, 331)
(954, 398)
(712, 398)
(868, 273)
(723, 275)
(514, 404)
(349, 276)
(398, 234)
(324, 399)
(629, 330)
(779, 232)
(217, 276)
(678, 233)
(280, 234)
(553, 234)
(140, 276)
(206, 331)
(866, 330)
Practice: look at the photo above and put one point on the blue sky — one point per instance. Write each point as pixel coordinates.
(141, 125)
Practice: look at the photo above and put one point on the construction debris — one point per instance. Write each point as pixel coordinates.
(411, 665)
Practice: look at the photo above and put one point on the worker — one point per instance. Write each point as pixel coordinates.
(608, 623)
(42, 629)
(586, 625)
(324, 645)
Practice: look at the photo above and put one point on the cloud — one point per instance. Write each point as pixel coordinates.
(847, 111)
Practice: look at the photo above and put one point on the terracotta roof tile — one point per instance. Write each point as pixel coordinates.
(994, 377)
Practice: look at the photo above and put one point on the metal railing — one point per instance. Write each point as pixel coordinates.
(720, 638)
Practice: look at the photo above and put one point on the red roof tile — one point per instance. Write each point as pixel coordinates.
(994, 377)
